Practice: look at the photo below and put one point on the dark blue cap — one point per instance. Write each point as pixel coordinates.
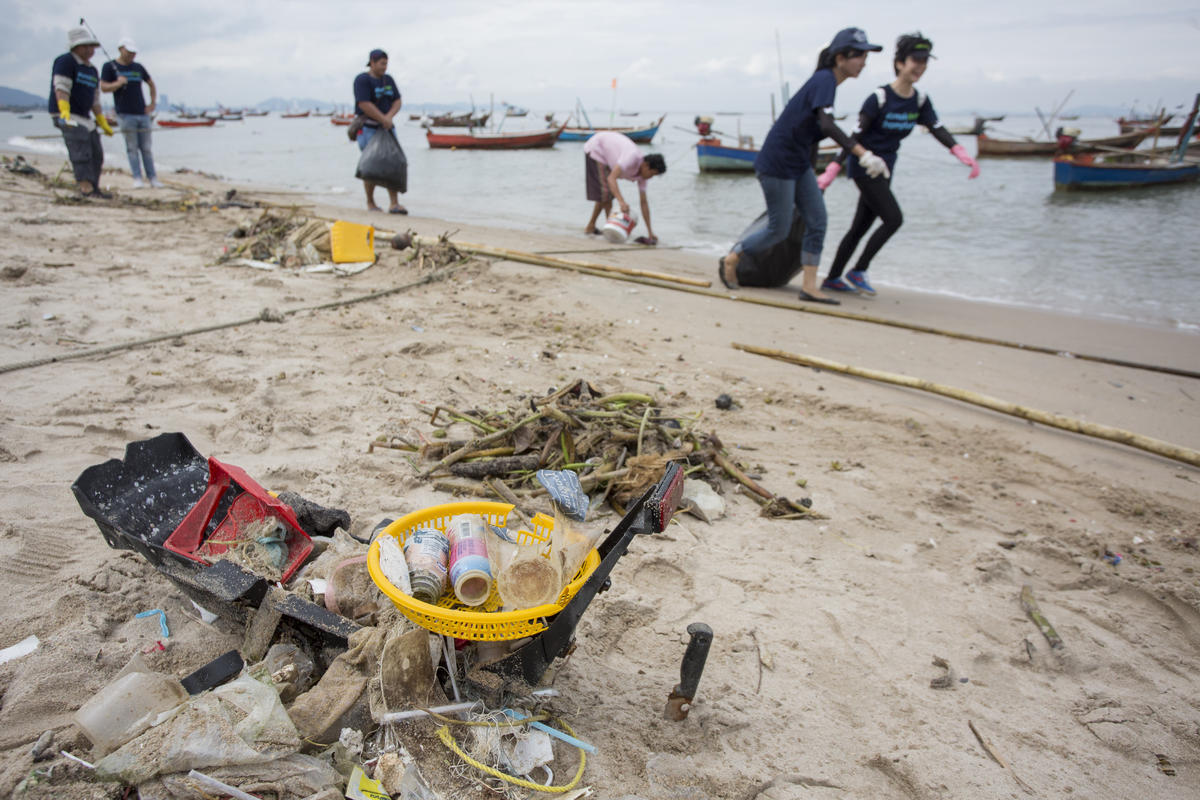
(375, 56)
(852, 39)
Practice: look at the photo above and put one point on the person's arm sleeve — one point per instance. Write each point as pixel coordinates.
(830, 128)
(108, 78)
(943, 136)
(63, 83)
(866, 118)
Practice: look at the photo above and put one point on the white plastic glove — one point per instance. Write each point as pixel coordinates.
(874, 165)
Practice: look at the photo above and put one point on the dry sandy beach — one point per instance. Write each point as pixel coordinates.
(934, 513)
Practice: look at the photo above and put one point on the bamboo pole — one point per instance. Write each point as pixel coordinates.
(1150, 445)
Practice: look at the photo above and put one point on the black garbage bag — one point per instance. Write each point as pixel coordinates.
(383, 162)
(778, 265)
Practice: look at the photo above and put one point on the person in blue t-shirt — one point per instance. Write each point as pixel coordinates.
(784, 166)
(124, 78)
(888, 115)
(377, 98)
(74, 97)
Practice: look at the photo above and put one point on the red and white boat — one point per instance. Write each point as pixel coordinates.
(188, 123)
(483, 140)
(342, 119)
(296, 116)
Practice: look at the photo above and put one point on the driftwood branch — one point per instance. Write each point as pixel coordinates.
(1029, 603)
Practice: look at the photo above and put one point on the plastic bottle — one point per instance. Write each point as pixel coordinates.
(427, 552)
(470, 574)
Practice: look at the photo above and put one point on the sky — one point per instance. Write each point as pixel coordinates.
(699, 55)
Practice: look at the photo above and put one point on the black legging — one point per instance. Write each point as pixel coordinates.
(875, 201)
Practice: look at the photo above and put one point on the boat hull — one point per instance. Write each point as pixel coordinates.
(641, 135)
(1072, 175)
(187, 123)
(987, 146)
(492, 141)
(712, 156)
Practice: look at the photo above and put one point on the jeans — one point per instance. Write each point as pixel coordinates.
(136, 128)
(783, 196)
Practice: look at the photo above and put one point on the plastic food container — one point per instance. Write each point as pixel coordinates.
(126, 707)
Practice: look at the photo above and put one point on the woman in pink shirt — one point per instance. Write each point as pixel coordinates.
(609, 155)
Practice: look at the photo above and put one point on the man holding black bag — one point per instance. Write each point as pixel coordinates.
(377, 99)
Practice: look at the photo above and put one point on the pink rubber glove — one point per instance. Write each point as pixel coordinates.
(961, 154)
(826, 177)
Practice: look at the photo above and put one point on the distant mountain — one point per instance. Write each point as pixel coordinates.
(15, 98)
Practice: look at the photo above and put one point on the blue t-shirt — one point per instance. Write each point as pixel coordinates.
(383, 92)
(887, 125)
(128, 99)
(787, 151)
(85, 82)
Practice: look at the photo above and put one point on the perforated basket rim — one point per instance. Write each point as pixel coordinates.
(478, 622)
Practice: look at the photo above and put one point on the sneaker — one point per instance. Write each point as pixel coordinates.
(156, 183)
(137, 183)
(859, 279)
(836, 285)
(99, 194)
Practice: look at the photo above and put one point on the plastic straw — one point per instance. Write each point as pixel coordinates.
(213, 783)
(452, 708)
(162, 620)
(557, 734)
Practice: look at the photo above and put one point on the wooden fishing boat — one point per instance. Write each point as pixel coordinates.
(642, 134)
(296, 115)
(342, 119)
(485, 140)
(713, 156)
(230, 117)
(515, 111)
(466, 119)
(987, 146)
(188, 123)
(255, 113)
(1119, 171)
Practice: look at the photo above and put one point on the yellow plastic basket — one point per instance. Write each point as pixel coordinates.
(351, 243)
(478, 623)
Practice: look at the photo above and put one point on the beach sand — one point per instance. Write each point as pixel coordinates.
(818, 683)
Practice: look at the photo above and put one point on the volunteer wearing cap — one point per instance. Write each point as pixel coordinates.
(377, 98)
(785, 171)
(887, 116)
(609, 155)
(124, 78)
(74, 97)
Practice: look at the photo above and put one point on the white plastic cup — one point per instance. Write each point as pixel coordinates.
(126, 707)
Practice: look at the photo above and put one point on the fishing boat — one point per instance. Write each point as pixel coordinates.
(24, 116)
(1119, 171)
(988, 146)
(486, 140)
(230, 117)
(466, 119)
(342, 119)
(297, 115)
(248, 113)
(712, 155)
(188, 123)
(514, 111)
(642, 134)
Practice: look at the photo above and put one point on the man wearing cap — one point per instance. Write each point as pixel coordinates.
(124, 78)
(377, 98)
(74, 97)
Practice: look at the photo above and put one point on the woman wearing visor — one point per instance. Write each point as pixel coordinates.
(785, 168)
(887, 116)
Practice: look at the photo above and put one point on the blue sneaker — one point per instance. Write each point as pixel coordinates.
(859, 279)
(836, 285)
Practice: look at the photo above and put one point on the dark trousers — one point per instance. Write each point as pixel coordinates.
(875, 201)
(84, 150)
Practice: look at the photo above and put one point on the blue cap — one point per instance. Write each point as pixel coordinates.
(375, 55)
(852, 39)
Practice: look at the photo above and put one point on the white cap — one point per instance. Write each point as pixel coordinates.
(128, 44)
(79, 35)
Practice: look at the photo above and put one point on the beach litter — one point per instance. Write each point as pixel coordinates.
(21, 648)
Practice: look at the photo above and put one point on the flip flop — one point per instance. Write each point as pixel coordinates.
(829, 301)
(721, 273)
(397, 210)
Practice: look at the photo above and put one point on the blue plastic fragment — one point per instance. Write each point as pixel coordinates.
(564, 488)
(162, 620)
(557, 734)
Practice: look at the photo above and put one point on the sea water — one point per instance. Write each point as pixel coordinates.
(1006, 237)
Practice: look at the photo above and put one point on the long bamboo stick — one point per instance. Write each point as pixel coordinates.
(562, 263)
(1150, 445)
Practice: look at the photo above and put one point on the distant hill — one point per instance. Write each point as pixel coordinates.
(15, 98)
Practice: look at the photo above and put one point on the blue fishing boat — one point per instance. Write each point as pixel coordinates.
(641, 135)
(1120, 172)
(713, 156)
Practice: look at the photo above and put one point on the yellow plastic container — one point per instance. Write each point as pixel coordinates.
(352, 243)
(480, 623)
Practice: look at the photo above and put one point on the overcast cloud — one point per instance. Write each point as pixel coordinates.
(1007, 56)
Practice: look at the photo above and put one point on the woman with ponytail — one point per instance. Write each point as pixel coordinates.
(785, 170)
(888, 115)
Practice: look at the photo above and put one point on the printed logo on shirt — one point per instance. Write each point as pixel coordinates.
(384, 91)
(87, 78)
(899, 120)
(130, 75)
